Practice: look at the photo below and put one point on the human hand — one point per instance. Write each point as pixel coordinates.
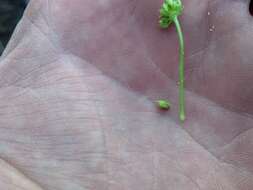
(78, 81)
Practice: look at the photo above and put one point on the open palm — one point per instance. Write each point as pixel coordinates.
(78, 81)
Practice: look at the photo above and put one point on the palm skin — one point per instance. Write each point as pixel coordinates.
(78, 81)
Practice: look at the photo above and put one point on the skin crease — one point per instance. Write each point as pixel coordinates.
(77, 85)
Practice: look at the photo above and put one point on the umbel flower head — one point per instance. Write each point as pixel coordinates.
(169, 10)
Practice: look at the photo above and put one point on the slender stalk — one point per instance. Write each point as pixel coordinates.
(181, 70)
(169, 12)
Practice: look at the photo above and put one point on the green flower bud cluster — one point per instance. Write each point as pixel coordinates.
(169, 10)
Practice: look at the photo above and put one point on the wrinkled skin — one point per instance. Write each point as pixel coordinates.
(78, 81)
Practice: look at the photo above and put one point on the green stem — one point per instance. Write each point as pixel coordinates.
(181, 70)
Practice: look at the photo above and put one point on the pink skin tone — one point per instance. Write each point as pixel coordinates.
(78, 80)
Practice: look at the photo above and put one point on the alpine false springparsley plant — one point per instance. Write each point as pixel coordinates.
(169, 13)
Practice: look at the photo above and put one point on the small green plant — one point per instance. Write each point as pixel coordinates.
(169, 13)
